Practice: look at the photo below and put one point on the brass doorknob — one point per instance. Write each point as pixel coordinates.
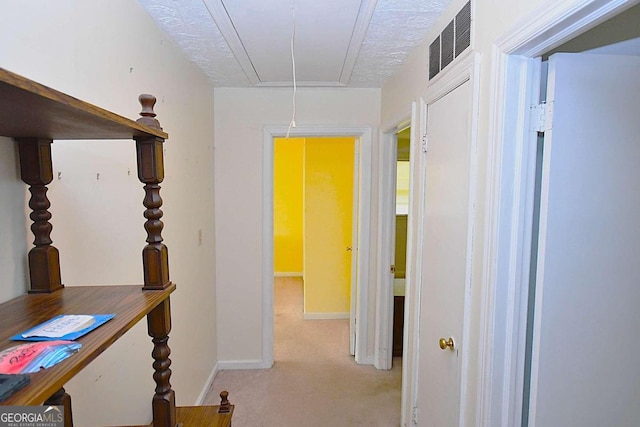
(444, 343)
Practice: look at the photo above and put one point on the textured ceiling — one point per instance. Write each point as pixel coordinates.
(375, 52)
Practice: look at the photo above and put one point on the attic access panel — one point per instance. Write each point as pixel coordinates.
(266, 37)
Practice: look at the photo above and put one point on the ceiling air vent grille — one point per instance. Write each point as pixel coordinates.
(446, 50)
(463, 29)
(454, 39)
(434, 58)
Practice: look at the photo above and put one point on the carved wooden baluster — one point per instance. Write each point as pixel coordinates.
(156, 263)
(36, 170)
(151, 172)
(164, 400)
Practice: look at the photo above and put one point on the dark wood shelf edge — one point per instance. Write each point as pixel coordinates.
(31, 109)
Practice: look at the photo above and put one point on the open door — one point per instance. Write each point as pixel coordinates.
(328, 202)
(584, 368)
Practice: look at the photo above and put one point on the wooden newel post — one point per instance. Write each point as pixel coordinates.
(155, 257)
(155, 260)
(36, 170)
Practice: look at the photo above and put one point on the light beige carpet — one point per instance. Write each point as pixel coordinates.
(314, 381)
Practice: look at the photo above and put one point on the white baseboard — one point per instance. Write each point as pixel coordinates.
(207, 385)
(326, 316)
(232, 365)
(288, 274)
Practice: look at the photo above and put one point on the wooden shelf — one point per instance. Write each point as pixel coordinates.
(31, 110)
(200, 416)
(129, 303)
(203, 416)
(35, 115)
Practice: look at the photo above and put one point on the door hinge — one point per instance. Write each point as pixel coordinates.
(414, 415)
(392, 268)
(425, 138)
(541, 117)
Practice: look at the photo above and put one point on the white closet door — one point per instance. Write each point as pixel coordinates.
(446, 258)
(586, 351)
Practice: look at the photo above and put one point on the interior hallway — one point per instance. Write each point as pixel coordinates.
(314, 381)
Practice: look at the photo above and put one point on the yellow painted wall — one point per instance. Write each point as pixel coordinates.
(287, 205)
(328, 218)
(400, 259)
(402, 209)
(402, 187)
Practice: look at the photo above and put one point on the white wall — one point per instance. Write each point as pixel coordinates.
(491, 19)
(240, 116)
(107, 52)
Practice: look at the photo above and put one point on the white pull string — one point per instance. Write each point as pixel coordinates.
(293, 64)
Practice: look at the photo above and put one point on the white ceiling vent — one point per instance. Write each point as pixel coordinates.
(452, 41)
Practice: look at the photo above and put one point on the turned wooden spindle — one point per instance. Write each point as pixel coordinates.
(155, 257)
(155, 261)
(36, 170)
(225, 406)
(164, 400)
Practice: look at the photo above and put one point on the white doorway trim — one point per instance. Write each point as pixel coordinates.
(383, 355)
(409, 358)
(510, 170)
(364, 135)
(353, 302)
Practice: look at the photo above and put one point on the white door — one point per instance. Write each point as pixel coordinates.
(445, 261)
(585, 369)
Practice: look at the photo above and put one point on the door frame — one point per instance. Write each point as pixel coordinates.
(383, 355)
(353, 301)
(515, 86)
(363, 137)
